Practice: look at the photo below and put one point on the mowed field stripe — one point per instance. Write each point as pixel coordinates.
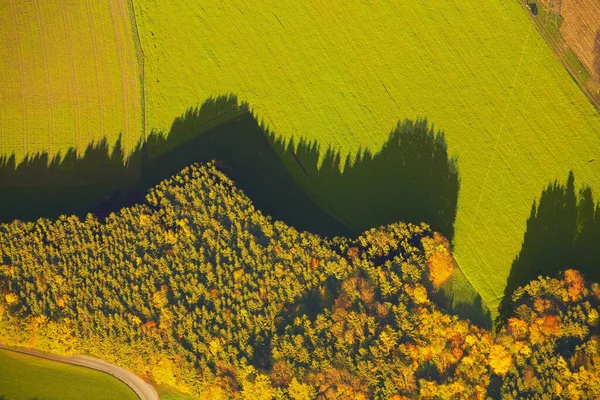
(131, 67)
(498, 135)
(140, 58)
(115, 10)
(47, 75)
(99, 83)
(72, 74)
(23, 91)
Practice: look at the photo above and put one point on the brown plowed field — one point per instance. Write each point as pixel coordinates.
(581, 30)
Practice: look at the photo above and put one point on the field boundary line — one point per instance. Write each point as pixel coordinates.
(141, 59)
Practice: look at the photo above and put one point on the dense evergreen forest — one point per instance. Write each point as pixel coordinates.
(195, 288)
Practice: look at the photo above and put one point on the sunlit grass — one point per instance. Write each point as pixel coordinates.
(24, 377)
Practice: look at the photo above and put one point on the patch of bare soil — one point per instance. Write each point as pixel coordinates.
(581, 31)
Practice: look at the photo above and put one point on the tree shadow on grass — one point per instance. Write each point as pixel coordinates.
(411, 179)
(103, 181)
(563, 232)
(40, 187)
(243, 152)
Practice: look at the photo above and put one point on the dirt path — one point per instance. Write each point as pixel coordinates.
(142, 389)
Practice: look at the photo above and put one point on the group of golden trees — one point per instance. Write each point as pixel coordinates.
(198, 290)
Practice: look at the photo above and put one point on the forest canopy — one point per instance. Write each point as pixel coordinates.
(197, 289)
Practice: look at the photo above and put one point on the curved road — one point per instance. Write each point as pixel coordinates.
(142, 389)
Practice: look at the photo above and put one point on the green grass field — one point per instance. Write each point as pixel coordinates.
(24, 377)
(343, 72)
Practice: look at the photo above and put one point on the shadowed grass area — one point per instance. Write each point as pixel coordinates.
(101, 180)
(563, 232)
(411, 179)
(104, 180)
(457, 296)
(24, 377)
(244, 153)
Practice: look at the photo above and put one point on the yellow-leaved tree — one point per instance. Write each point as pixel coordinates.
(439, 259)
(500, 359)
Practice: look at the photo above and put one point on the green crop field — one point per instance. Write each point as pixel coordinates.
(24, 377)
(69, 74)
(343, 72)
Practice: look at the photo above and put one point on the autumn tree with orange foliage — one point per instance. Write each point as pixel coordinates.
(553, 337)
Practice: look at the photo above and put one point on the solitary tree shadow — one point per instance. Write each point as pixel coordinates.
(563, 232)
(411, 179)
